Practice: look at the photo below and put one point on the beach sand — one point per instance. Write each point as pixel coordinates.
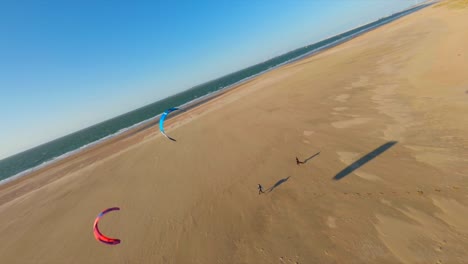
(383, 118)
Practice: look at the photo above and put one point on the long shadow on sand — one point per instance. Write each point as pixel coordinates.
(278, 183)
(311, 157)
(364, 160)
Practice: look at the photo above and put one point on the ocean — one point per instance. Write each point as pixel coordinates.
(35, 158)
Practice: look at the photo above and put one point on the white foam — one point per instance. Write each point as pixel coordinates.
(67, 154)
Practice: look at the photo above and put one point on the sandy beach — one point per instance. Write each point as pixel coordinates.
(381, 122)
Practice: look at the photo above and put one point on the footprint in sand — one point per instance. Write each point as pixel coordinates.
(342, 98)
(308, 132)
(306, 141)
(351, 122)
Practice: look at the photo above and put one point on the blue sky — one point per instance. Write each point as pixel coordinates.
(65, 65)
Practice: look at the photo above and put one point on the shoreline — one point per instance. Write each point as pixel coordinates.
(145, 124)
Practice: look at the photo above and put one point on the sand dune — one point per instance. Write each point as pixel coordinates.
(387, 112)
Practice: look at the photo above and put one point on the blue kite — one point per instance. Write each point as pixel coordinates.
(163, 117)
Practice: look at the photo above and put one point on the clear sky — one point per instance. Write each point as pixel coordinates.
(65, 65)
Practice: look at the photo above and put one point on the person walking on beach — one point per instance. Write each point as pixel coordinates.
(260, 189)
(298, 162)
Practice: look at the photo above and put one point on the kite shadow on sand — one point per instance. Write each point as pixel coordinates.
(371, 155)
(278, 183)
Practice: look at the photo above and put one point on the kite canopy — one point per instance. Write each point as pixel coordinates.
(98, 235)
(163, 118)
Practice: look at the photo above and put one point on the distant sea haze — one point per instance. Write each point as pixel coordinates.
(33, 159)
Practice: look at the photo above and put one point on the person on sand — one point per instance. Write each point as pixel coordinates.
(260, 189)
(298, 162)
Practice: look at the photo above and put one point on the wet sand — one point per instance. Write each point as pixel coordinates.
(386, 112)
